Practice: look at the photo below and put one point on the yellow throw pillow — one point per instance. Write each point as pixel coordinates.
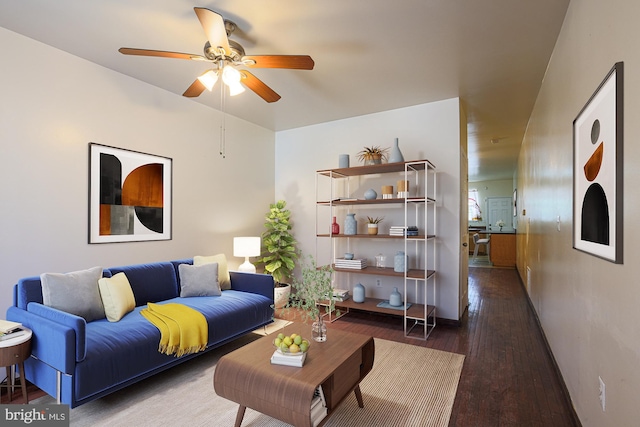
(223, 272)
(117, 296)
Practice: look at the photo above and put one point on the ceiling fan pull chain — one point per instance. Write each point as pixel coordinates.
(223, 125)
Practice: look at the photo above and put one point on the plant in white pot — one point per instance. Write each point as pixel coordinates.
(372, 224)
(314, 287)
(279, 253)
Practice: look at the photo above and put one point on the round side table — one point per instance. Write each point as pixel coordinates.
(14, 351)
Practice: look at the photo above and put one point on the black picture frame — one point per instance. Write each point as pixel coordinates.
(130, 195)
(598, 170)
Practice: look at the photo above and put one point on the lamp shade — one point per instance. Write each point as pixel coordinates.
(246, 247)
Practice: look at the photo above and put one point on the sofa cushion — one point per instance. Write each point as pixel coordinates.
(150, 282)
(117, 296)
(75, 292)
(199, 280)
(223, 272)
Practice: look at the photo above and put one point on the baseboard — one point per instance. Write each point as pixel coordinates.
(563, 385)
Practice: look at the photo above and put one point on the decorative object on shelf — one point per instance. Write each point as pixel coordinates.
(335, 227)
(358, 293)
(316, 285)
(403, 189)
(400, 262)
(500, 223)
(343, 161)
(395, 299)
(370, 194)
(279, 252)
(387, 191)
(373, 155)
(348, 255)
(380, 261)
(350, 224)
(246, 247)
(396, 155)
(354, 264)
(372, 224)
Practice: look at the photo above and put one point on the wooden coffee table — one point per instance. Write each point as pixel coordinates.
(247, 377)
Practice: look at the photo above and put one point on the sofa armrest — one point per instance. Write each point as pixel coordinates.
(59, 338)
(255, 283)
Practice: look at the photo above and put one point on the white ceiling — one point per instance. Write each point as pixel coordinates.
(370, 56)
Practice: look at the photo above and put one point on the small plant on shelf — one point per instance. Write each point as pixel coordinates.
(373, 155)
(372, 224)
(376, 220)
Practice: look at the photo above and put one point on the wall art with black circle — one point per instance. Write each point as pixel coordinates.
(597, 171)
(129, 195)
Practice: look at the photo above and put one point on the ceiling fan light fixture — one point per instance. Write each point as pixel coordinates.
(230, 75)
(209, 79)
(235, 88)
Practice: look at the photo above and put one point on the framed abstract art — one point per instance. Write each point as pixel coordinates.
(597, 171)
(129, 195)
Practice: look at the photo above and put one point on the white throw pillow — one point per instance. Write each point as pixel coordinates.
(117, 296)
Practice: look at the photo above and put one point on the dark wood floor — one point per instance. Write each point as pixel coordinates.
(508, 378)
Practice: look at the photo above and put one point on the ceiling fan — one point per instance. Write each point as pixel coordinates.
(227, 55)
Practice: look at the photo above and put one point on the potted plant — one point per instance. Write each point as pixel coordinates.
(279, 252)
(373, 155)
(314, 286)
(372, 224)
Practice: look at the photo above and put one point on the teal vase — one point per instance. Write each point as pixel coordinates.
(350, 224)
(395, 299)
(396, 155)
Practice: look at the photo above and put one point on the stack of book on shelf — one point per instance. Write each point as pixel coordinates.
(340, 294)
(318, 407)
(296, 359)
(10, 330)
(398, 230)
(357, 264)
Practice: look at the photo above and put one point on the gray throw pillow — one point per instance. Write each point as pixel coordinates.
(199, 280)
(76, 292)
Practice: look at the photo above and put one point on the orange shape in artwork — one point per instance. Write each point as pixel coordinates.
(143, 187)
(592, 167)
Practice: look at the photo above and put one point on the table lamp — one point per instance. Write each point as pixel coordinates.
(246, 247)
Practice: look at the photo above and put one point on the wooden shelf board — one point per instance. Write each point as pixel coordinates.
(376, 236)
(416, 311)
(387, 271)
(375, 201)
(376, 169)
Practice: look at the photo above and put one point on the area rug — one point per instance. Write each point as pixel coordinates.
(408, 386)
(272, 327)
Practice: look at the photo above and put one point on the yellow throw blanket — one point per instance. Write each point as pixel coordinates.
(183, 330)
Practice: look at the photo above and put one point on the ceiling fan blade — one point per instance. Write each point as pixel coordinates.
(295, 62)
(194, 90)
(213, 26)
(161, 53)
(256, 85)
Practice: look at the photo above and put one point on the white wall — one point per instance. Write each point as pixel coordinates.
(588, 307)
(45, 128)
(428, 131)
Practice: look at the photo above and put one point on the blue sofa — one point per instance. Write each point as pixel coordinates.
(78, 361)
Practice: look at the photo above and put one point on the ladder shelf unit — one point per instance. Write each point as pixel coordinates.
(336, 195)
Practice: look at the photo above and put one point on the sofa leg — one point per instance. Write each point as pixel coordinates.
(58, 387)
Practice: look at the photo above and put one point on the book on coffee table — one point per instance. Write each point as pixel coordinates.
(288, 360)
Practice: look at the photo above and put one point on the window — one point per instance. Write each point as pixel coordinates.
(475, 213)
